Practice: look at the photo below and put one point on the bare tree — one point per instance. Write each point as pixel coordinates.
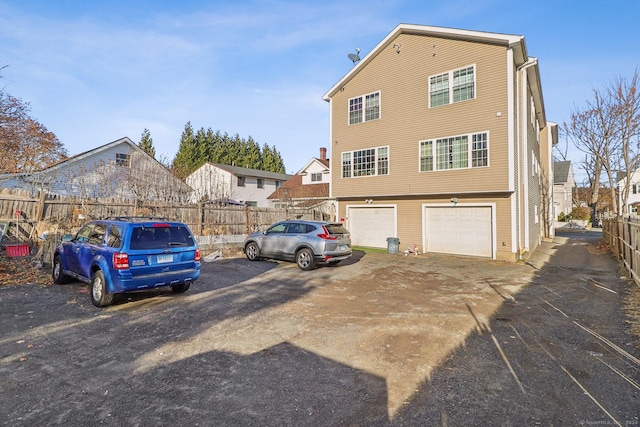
(606, 130)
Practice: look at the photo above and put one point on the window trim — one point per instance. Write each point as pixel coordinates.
(378, 162)
(451, 86)
(433, 142)
(365, 114)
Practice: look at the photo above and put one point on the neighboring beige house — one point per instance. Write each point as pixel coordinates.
(308, 188)
(117, 169)
(439, 138)
(234, 185)
(563, 187)
(633, 198)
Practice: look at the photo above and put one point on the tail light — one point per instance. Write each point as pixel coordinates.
(120, 261)
(197, 258)
(326, 235)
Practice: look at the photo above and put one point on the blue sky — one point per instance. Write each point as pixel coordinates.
(95, 71)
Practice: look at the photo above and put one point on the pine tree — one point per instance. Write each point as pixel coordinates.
(146, 143)
(183, 162)
(253, 156)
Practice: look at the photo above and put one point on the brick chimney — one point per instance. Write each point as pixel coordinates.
(323, 153)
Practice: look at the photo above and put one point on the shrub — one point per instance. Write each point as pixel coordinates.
(561, 217)
(581, 213)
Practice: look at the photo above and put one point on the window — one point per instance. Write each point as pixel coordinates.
(241, 180)
(371, 106)
(260, 183)
(479, 151)
(123, 159)
(316, 177)
(278, 184)
(346, 165)
(426, 156)
(368, 162)
(453, 86)
(455, 152)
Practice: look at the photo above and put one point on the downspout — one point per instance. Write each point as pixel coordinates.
(523, 171)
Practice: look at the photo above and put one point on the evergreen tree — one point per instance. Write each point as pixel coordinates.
(253, 155)
(146, 143)
(268, 161)
(184, 161)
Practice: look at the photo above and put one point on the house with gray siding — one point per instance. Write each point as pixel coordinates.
(117, 169)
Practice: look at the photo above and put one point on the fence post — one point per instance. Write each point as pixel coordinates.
(200, 218)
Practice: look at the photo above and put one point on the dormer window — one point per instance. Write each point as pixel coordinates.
(316, 177)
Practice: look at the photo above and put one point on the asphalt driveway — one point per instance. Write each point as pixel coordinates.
(379, 340)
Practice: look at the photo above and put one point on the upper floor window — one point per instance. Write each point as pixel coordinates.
(316, 177)
(364, 108)
(368, 162)
(456, 152)
(278, 184)
(123, 159)
(452, 86)
(260, 183)
(241, 181)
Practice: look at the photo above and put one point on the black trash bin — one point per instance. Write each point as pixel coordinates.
(393, 245)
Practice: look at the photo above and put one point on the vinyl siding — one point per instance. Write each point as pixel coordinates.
(410, 226)
(405, 119)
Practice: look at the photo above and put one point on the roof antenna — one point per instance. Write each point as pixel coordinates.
(355, 57)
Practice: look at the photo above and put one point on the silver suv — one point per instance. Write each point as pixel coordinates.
(305, 242)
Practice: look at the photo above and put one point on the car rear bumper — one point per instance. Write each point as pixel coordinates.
(329, 258)
(127, 283)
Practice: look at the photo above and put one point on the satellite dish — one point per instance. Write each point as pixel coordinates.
(354, 56)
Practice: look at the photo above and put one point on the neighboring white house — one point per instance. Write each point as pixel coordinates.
(633, 198)
(563, 187)
(308, 188)
(117, 169)
(233, 184)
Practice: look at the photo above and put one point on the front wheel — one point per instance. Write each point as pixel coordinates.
(59, 277)
(252, 251)
(305, 260)
(99, 295)
(178, 289)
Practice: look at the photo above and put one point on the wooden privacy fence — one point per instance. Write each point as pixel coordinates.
(623, 236)
(28, 215)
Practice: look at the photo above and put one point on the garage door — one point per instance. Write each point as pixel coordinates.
(462, 230)
(370, 226)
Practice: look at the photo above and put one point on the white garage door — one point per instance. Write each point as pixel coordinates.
(462, 230)
(370, 226)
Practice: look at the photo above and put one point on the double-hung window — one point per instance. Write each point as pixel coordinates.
(316, 177)
(452, 86)
(367, 162)
(454, 152)
(364, 108)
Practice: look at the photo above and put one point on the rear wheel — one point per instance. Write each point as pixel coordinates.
(252, 251)
(99, 295)
(58, 276)
(305, 260)
(182, 287)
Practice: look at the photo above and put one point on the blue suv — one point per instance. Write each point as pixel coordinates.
(126, 254)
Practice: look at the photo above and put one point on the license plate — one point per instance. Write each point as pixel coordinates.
(343, 247)
(165, 258)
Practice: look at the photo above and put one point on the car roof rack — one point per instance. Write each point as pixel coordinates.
(136, 218)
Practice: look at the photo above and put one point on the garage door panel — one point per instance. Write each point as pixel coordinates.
(462, 230)
(370, 226)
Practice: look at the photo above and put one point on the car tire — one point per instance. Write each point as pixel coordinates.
(182, 287)
(252, 251)
(305, 260)
(99, 295)
(59, 277)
